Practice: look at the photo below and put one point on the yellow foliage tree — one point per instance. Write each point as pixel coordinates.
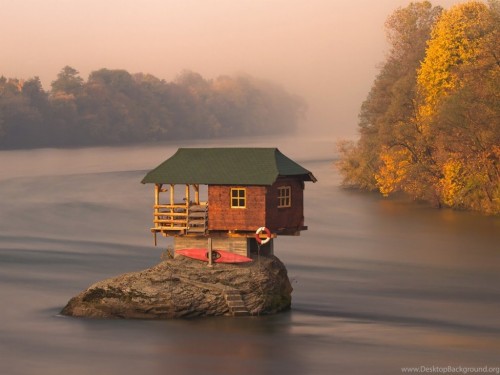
(433, 130)
(456, 40)
(393, 171)
(452, 183)
(458, 106)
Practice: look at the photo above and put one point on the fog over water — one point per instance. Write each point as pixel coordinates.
(327, 51)
(379, 284)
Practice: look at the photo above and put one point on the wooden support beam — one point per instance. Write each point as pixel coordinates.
(187, 195)
(196, 193)
(157, 194)
(209, 252)
(157, 201)
(171, 194)
(166, 229)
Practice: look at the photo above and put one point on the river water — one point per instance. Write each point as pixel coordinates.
(378, 284)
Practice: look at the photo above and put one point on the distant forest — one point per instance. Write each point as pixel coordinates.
(430, 126)
(116, 107)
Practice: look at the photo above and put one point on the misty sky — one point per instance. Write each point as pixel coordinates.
(326, 51)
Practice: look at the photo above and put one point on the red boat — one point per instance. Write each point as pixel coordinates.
(218, 256)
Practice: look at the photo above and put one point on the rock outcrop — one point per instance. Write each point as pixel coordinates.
(184, 288)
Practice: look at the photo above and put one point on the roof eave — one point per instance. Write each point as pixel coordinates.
(312, 178)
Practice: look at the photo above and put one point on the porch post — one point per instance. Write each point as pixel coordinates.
(196, 194)
(157, 194)
(187, 195)
(156, 209)
(171, 194)
(209, 251)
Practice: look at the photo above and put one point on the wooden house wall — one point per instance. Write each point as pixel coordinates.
(285, 217)
(222, 217)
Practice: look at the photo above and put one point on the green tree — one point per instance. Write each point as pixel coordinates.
(22, 112)
(68, 81)
(114, 106)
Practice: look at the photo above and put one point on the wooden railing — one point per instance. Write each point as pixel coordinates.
(198, 219)
(180, 217)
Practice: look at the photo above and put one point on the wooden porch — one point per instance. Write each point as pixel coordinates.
(181, 218)
(189, 216)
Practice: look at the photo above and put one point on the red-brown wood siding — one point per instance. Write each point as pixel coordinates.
(222, 217)
(285, 217)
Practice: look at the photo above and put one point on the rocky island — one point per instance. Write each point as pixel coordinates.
(252, 196)
(184, 288)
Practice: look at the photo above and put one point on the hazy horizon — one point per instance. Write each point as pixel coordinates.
(327, 52)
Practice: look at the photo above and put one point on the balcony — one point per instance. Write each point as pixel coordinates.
(180, 218)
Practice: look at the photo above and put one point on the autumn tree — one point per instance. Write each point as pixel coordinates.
(388, 116)
(433, 132)
(459, 85)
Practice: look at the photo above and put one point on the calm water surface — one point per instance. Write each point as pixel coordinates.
(378, 284)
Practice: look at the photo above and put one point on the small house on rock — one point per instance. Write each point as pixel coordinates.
(246, 188)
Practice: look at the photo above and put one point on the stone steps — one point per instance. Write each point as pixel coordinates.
(235, 303)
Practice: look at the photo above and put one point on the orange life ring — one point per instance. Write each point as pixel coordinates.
(268, 235)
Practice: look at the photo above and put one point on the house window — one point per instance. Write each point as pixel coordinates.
(284, 196)
(238, 198)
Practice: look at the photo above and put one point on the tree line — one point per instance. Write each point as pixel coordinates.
(430, 126)
(116, 107)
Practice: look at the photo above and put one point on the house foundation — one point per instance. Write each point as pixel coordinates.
(245, 246)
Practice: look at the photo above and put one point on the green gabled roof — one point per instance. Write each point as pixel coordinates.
(226, 166)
